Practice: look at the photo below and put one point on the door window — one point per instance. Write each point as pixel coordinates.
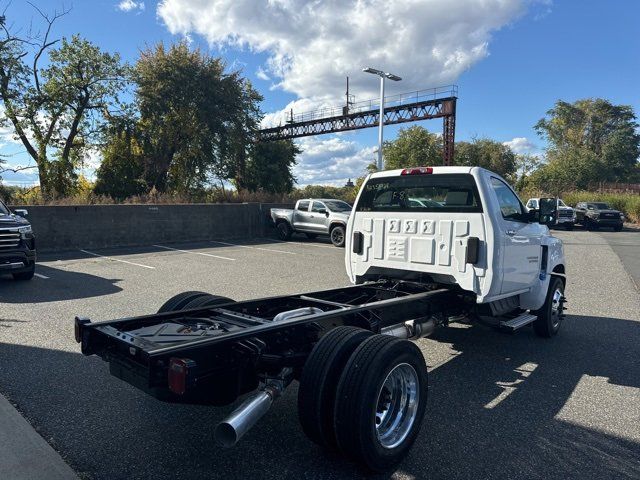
(510, 204)
(317, 206)
(303, 205)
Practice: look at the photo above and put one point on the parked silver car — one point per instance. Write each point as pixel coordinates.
(313, 217)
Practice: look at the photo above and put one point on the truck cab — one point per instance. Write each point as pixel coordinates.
(470, 230)
(17, 244)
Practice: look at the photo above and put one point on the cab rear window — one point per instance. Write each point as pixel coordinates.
(451, 192)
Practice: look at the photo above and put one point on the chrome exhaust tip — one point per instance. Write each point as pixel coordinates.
(228, 432)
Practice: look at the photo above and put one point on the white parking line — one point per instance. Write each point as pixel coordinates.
(117, 259)
(299, 243)
(39, 275)
(194, 253)
(252, 248)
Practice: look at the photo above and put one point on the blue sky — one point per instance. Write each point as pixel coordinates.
(512, 59)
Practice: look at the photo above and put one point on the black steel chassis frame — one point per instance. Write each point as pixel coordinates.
(227, 366)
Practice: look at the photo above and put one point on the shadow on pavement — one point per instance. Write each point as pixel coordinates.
(108, 430)
(61, 285)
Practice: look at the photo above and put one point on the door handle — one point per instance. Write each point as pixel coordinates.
(511, 233)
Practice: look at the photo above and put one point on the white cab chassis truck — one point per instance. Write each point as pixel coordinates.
(425, 247)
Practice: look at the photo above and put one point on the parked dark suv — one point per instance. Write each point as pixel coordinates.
(17, 244)
(594, 215)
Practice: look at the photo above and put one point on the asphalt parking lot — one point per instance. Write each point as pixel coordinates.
(500, 406)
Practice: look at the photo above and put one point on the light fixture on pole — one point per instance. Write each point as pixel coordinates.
(382, 76)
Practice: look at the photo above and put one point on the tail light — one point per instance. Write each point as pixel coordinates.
(181, 374)
(417, 171)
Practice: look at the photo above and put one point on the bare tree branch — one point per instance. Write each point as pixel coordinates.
(45, 41)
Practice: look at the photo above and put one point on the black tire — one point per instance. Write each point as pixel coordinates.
(284, 231)
(569, 226)
(177, 302)
(25, 276)
(618, 228)
(311, 236)
(207, 300)
(358, 409)
(337, 235)
(320, 375)
(551, 314)
(591, 226)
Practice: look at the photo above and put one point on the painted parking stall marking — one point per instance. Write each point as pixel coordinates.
(252, 248)
(39, 275)
(300, 243)
(195, 253)
(117, 259)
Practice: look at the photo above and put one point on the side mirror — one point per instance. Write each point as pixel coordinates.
(547, 213)
(323, 210)
(21, 211)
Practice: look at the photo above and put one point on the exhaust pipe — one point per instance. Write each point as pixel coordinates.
(230, 431)
(411, 330)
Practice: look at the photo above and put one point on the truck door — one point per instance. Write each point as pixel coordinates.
(319, 219)
(521, 240)
(301, 215)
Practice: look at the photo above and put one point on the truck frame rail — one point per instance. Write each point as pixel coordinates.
(224, 351)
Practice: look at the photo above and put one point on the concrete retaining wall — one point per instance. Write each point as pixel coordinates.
(95, 226)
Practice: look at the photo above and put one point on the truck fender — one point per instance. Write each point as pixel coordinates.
(552, 263)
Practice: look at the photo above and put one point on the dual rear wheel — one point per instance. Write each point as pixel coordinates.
(364, 395)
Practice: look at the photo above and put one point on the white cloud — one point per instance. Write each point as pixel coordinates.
(312, 45)
(331, 160)
(262, 75)
(522, 146)
(130, 5)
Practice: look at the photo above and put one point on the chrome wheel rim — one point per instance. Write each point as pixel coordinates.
(556, 307)
(397, 405)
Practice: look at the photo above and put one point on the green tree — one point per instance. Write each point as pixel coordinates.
(525, 166)
(120, 174)
(487, 154)
(269, 167)
(196, 120)
(54, 110)
(590, 140)
(414, 147)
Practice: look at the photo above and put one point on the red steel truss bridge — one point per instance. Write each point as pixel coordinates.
(428, 104)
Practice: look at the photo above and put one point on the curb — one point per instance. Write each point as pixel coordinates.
(25, 454)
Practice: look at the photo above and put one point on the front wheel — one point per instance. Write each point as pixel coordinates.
(337, 236)
(618, 228)
(24, 276)
(569, 226)
(380, 402)
(551, 314)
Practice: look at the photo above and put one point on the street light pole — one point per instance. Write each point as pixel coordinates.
(380, 165)
(382, 76)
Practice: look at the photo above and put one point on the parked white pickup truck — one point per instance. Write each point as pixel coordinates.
(313, 217)
(425, 247)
